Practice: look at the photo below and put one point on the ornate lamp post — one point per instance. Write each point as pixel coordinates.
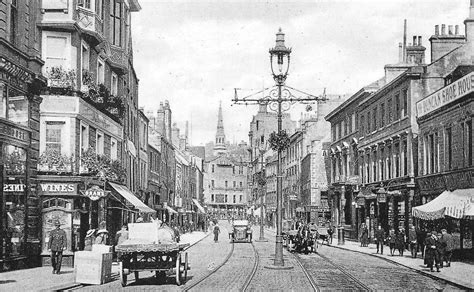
(279, 98)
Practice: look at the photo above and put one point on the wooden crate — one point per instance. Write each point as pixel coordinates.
(92, 267)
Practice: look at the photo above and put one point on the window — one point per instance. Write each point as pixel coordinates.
(405, 156)
(350, 121)
(13, 105)
(382, 114)
(343, 128)
(99, 143)
(116, 22)
(212, 166)
(397, 159)
(362, 124)
(234, 199)
(235, 184)
(240, 184)
(389, 162)
(84, 137)
(212, 183)
(449, 147)
(375, 119)
(100, 71)
(240, 199)
(53, 136)
(382, 164)
(405, 102)
(114, 84)
(100, 8)
(367, 169)
(226, 198)
(226, 184)
(85, 57)
(389, 109)
(212, 198)
(334, 132)
(397, 106)
(84, 4)
(55, 51)
(469, 142)
(353, 123)
(339, 132)
(13, 21)
(368, 122)
(113, 149)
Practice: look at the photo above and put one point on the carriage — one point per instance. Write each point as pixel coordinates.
(303, 240)
(152, 248)
(241, 231)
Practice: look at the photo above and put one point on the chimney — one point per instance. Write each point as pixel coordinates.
(405, 41)
(419, 40)
(416, 52)
(443, 43)
(469, 23)
(400, 53)
(160, 120)
(414, 40)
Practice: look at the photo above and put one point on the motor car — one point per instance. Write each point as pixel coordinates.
(241, 231)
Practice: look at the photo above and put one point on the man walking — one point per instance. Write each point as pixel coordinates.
(216, 232)
(57, 243)
(447, 245)
(379, 238)
(431, 253)
(412, 239)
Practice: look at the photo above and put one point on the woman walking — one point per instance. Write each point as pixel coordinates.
(392, 239)
(400, 241)
(364, 235)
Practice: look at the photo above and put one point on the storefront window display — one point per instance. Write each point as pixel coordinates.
(13, 105)
(14, 198)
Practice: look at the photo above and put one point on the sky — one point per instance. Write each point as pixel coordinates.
(194, 53)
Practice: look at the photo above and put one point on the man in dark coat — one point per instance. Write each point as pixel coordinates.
(412, 240)
(380, 238)
(447, 247)
(56, 244)
(431, 253)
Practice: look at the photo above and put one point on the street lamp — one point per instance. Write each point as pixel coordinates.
(279, 98)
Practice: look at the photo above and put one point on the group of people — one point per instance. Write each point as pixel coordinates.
(436, 248)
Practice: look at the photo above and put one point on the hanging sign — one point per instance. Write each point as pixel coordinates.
(94, 193)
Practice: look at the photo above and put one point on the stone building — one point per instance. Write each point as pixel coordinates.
(225, 176)
(21, 81)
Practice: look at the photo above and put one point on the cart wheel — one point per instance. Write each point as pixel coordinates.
(178, 269)
(136, 277)
(123, 277)
(185, 276)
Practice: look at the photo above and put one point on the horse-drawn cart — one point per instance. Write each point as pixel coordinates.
(160, 258)
(152, 248)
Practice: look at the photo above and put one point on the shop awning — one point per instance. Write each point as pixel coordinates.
(130, 197)
(200, 208)
(171, 210)
(457, 204)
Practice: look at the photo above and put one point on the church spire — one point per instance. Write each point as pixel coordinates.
(220, 146)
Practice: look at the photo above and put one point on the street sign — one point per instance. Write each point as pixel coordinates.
(94, 193)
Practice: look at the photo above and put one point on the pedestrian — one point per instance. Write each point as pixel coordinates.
(413, 241)
(392, 240)
(431, 253)
(102, 234)
(57, 244)
(400, 241)
(420, 238)
(379, 238)
(216, 232)
(89, 240)
(330, 233)
(364, 235)
(447, 245)
(122, 235)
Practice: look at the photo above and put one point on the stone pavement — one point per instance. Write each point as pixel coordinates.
(42, 279)
(459, 272)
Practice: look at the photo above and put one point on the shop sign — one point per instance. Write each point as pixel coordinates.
(94, 193)
(15, 70)
(382, 198)
(58, 188)
(15, 133)
(446, 95)
(11, 188)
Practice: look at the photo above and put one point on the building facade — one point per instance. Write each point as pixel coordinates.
(21, 81)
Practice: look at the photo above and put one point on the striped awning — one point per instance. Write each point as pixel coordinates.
(457, 204)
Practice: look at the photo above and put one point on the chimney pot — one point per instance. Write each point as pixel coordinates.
(437, 29)
(456, 29)
(414, 40)
(443, 29)
(419, 40)
(450, 29)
